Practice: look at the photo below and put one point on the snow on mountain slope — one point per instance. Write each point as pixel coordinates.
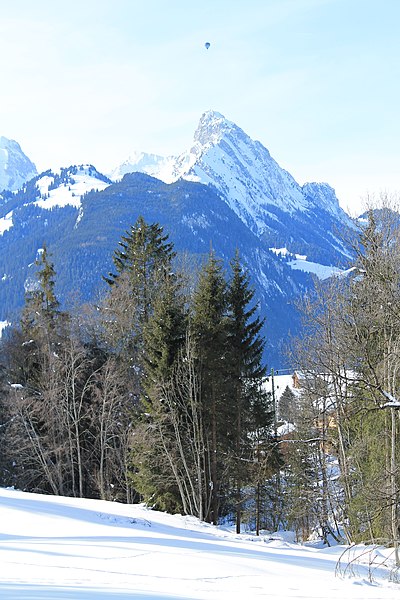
(3, 325)
(151, 164)
(242, 169)
(299, 262)
(15, 166)
(264, 196)
(67, 186)
(49, 190)
(320, 271)
(6, 222)
(324, 196)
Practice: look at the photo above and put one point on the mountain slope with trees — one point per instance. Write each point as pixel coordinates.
(227, 193)
(81, 241)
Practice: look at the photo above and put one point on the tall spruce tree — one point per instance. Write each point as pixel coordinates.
(143, 259)
(35, 426)
(143, 267)
(244, 376)
(144, 255)
(156, 459)
(209, 325)
(42, 322)
(41, 309)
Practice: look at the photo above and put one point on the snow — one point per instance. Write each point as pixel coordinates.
(248, 179)
(240, 168)
(6, 222)
(281, 382)
(284, 252)
(285, 429)
(321, 271)
(68, 194)
(151, 164)
(324, 196)
(15, 166)
(3, 325)
(299, 262)
(392, 401)
(59, 548)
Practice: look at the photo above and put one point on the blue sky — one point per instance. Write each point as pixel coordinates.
(316, 81)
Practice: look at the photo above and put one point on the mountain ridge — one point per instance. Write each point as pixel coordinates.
(283, 231)
(264, 196)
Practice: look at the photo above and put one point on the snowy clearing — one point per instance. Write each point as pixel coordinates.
(59, 548)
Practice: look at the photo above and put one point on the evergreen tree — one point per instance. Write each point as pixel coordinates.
(34, 364)
(209, 323)
(41, 311)
(245, 373)
(142, 281)
(42, 325)
(287, 405)
(144, 256)
(155, 453)
(142, 262)
(164, 332)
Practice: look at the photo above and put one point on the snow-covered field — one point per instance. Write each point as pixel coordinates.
(54, 547)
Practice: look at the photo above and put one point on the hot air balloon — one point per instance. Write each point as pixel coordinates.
(207, 45)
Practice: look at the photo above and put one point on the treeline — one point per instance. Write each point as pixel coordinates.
(156, 393)
(153, 393)
(344, 457)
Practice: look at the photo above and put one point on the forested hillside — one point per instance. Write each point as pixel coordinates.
(156, 392)
(82, 236)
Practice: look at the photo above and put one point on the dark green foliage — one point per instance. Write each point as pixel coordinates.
(204, 413)
(244, 340)
(143, 264)
(287, 405)
(143, 252)
(245, 372)
(209, 327)
(155, 379)
(164, 333)
(369, 507)
(41, 305)
(164, 336)
(144, 257)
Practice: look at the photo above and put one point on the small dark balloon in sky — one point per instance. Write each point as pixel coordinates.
(207, 45)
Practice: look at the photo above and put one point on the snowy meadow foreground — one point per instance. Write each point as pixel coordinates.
(58, 548)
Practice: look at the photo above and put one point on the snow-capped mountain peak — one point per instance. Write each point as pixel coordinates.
(143, 162)
(212, 127)
(15, 166)
(242, 169)
(248, 178)
(263, 195)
